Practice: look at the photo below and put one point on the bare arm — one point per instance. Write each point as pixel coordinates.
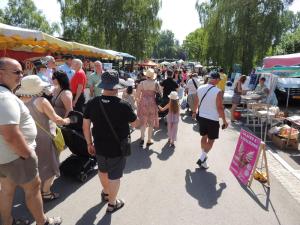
(78, 93)
(15, 140)
(220, 108)
(44, 106)
(164, 108)
(86, 126)
(135, 123)
(66, 99)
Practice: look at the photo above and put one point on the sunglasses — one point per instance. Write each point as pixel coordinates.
(54, 78)
(16, 72)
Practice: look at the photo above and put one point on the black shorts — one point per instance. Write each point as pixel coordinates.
(209, 127)
(114, 167)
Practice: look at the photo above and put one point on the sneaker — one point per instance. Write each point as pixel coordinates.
(199, 162)
(204, 166)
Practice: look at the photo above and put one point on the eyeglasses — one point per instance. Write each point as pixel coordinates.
(16, 72)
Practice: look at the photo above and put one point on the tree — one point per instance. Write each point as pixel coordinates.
(240, 31)
(23, 13)
(195, 45)
(125, 25)
(290, 43)
(165, 47)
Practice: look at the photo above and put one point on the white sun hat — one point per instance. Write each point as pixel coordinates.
(32, 85)
(150, 73)
(173, 95)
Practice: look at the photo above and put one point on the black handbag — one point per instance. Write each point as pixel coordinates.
(197, 115)
(125, 144)
(158, 96)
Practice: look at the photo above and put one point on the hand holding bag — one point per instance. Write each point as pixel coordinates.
(125, 144)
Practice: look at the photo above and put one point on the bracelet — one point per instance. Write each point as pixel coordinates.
(90, 143)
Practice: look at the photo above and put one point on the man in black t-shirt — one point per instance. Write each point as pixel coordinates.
(168, 86)
(104, 145)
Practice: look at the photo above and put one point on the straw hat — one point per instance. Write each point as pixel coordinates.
(173, 95)
(31, 85)
(130, 82)
(150, 73)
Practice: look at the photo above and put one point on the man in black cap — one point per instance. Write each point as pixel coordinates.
(110, 117)
(210, 109)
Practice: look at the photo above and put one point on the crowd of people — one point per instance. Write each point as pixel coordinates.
(32, 106)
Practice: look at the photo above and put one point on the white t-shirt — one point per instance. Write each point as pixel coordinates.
(13, 111)
(191, 87)
(208, 107)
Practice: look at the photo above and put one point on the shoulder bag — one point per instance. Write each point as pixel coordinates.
(197, 116)
(194, 82)
(58, 139)
(125, 144)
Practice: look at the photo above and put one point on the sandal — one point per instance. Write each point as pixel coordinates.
(149, 143)
(112, 208)
(20, 222)
(104, 197)
(50, 196)
(53, 221)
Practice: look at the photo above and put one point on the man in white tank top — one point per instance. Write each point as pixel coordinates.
(210, 99)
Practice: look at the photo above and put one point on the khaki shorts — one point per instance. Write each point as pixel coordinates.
(20, 171)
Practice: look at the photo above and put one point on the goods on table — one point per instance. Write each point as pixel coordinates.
(285, 131)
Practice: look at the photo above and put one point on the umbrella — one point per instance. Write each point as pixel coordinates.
(198, 66)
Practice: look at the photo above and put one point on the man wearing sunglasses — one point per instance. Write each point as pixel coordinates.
(18, 161)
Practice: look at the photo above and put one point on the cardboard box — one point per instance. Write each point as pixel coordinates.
(281, 143)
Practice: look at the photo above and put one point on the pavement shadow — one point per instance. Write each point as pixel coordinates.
(166, 152)
(90, 216)
(65, 186)
(187, 118)
(139, 158)
(202, 185)
(161, 132)
(255, 197)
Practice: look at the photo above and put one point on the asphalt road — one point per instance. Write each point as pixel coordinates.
(162, 186)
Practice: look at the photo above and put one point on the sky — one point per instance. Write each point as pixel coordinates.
(179, 16)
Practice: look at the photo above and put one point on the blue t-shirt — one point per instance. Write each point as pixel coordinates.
(70, 73)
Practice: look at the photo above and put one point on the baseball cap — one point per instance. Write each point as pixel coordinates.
(214, 75)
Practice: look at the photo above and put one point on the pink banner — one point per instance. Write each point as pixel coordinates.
(245, 156)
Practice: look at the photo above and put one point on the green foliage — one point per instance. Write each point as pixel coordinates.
(238, 31)
(165, 47)
(290, 43)
(194, 44)
(125, 25)
(23, 13)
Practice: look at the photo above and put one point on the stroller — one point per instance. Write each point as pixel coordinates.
(80, 163)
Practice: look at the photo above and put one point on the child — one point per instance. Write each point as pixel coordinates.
(172, 117)
(129, 94)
